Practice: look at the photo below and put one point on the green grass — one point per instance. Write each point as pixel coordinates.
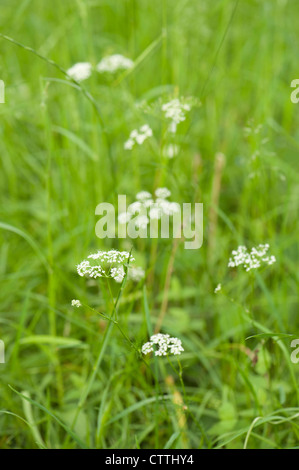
(72, 379)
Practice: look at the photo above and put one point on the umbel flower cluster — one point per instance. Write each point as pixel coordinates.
(163, 345)
(110, 64)
(253, 260)
(135, 274)
(110, 264)
(80, 71)
(218, 288)
(113, 63)
(138, 136)
(176, 111)
(149, 207)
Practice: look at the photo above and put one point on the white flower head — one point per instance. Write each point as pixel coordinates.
(141, 221)
(162, 193)
(164, 345)
(80, 71)
(155, 212)
(113, 63)
(124, 217)
(168, 208)
(110, 265)
(253, 260)
(175, 110)
(147, 348)
(117, 273)
(138, 136)
(143, 196)
(136, 206)
(148, 203)
(76, 303)
(129, 144)
(136, 274)
(147, 208)
(146, 130)
(218, 288)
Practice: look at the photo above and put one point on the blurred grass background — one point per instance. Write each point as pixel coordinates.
(59, 160)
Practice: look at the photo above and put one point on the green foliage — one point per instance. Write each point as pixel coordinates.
(71, 378)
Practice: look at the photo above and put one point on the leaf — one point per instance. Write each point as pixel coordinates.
(31, 422)
(54, 340)
(77, 141)
(30, 240)
(61, 423)
(275, 336)
(136, 406)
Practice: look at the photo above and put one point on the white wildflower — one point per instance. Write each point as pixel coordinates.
(135, 207)
(110, 265)
(147, 348)
(124, 217)
(155, 212)
(113, 63)
(271, 260)
(252, 260)
(148, 203)
(80, 71)
(176, 111)
(117, 273)
(143, 196)
(136, 274)
(148, 207)
(76, 303)
(162, 193)
(129, 144)
(165, 345)
(146, 130)
(138, 136)
(218, 288)
(168, 208)
(141, 221)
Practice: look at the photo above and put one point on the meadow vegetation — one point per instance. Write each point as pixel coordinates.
(75, 374)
